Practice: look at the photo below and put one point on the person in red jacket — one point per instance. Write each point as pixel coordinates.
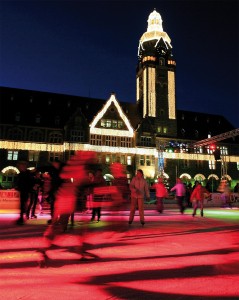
(161, 193)
(197, 197)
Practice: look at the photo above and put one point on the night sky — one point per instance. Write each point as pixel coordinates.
(89, 48)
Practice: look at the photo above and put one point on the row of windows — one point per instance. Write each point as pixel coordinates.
(207, 120)
(162, 129)
(196, 133)
(33, 155)
(37, 118)
(36, 135)
(108, 123)
(146, 160)
(108, 140)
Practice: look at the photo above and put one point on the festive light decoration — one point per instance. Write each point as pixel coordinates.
(213, 176)
(104, 131)
(137, 89)
(185, 175)
(154, 31)
(10, 168)
(171, 95)
(151, 93)
(144, 92)
(99, 148)
(199, 177)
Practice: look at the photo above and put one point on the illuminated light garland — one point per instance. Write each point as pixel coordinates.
(129, 133)
(154, 31)
(171, 95)
(111, 132)
(213, 176)
(149, 58)
(199, 175)
(228, 177)
(136, 151)
(151, 93)
(10, 168)
(14, 145)
(144, 92)
(137, 89)
(185, 175)
(155, 35)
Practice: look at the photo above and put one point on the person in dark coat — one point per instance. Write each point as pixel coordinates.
(36, 188)
(24, 185)
(56, 182)
(99, 181)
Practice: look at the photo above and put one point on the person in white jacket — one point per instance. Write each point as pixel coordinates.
(139, 191)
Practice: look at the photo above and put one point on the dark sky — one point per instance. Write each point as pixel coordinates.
(89, 48)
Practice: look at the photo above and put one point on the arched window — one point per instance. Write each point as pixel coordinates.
(55, 137)
(15, 134)
(36, 135)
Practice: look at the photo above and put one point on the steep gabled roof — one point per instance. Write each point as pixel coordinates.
(112, 100)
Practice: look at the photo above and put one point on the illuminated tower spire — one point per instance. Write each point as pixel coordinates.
(156, 75)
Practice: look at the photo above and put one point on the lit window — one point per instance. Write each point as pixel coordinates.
(141, 160)
(129, 160)
(148, 161)
(224, 150)
(211, 164)
(122, 159)
(108, 123)
(12, 155)
(114, 124)
(33, 155)
(120, 124)
(107, 159)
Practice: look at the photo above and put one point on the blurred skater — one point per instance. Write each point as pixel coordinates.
(180, 191)
(197, 198)
(99, 181)
(161, 193)
(73, 175)
(24, 185)
(139, 190)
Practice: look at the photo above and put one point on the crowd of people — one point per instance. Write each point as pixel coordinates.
(82, 183)
(79, 184)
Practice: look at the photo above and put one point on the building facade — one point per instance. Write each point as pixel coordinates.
(150, 134)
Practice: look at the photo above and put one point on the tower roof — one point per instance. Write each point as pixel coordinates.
(155, 30)
(155, 22)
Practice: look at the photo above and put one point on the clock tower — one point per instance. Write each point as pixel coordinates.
(155, 77)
